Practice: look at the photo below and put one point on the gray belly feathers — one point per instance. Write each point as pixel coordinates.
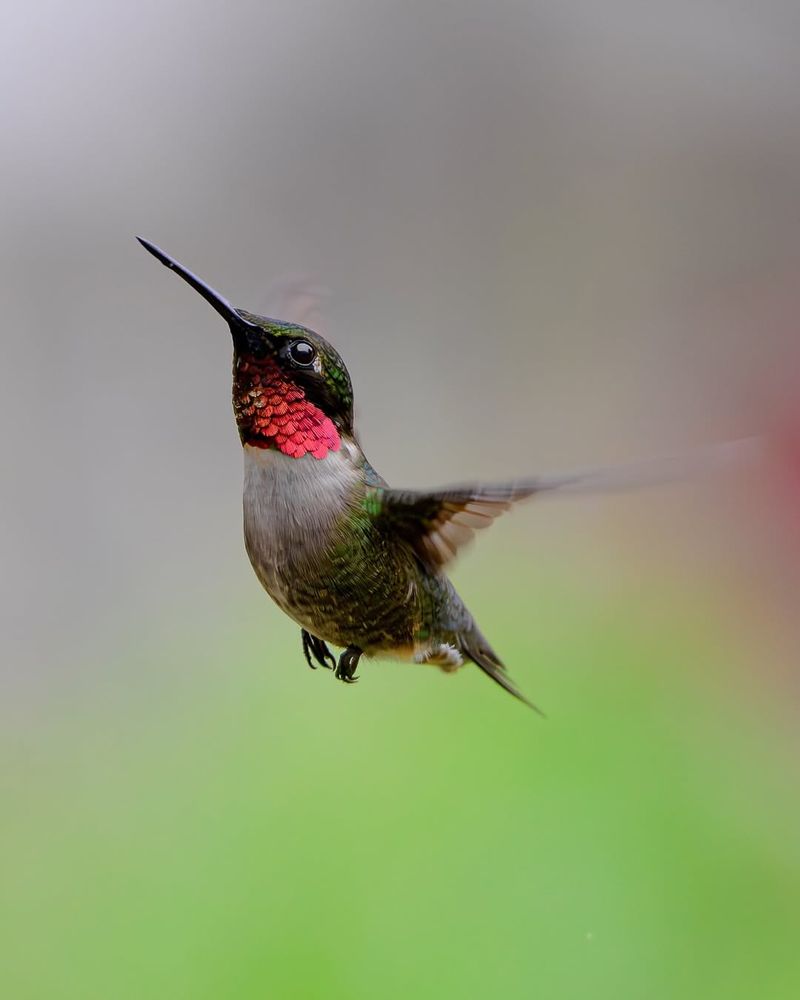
(291, 510)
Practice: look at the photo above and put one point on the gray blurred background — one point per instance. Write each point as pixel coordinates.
(554, 234)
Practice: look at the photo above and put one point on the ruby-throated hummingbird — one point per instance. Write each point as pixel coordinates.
(354, 562)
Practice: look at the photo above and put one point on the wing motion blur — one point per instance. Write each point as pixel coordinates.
(438, 523)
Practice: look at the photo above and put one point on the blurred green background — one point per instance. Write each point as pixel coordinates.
(216, 820)
(555, 234)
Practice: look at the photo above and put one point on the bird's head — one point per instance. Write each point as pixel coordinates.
(291, 389)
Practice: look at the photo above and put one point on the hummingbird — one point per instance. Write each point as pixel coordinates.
(355, 563)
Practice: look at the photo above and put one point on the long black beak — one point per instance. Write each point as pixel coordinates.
(223, 307)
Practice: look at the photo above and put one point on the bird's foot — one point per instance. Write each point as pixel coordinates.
(312, 646)
(348, 664)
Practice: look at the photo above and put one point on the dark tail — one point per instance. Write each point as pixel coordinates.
(475, 648)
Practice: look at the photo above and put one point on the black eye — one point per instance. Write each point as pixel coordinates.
(302, 353)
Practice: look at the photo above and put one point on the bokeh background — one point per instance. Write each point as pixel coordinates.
(552, 234)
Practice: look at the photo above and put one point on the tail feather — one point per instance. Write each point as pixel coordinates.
(490, 664)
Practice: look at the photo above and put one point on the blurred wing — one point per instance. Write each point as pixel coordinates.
(437, 524)
(299, 299)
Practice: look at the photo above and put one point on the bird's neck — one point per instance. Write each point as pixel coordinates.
(301, 503)
(274, 413)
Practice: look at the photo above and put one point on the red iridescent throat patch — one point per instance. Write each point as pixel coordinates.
(273, 412)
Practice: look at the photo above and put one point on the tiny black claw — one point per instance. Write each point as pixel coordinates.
(312, 646)
(348, 664)
(306, 646)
